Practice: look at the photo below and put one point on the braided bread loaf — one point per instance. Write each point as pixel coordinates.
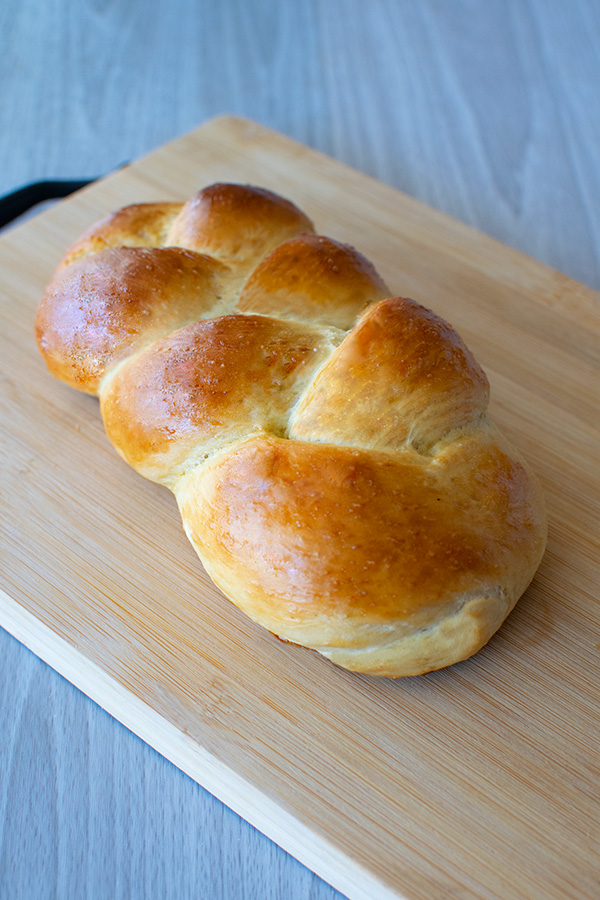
(328, 446)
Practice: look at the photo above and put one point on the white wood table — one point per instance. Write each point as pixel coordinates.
(487, 111)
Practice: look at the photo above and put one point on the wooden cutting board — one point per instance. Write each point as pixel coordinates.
(481, 781)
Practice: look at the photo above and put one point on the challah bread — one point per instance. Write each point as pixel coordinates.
(328, 445)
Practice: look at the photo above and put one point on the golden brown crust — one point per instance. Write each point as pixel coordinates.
(333, 546)
(138, 225)
(314, 279)
(401, 375)
(183, 398)
(102, 307)
(236, 223)
(329, 446)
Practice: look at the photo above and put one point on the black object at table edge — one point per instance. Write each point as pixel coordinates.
(23, 199)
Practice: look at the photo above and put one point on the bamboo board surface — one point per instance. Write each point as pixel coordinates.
(481, 781)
